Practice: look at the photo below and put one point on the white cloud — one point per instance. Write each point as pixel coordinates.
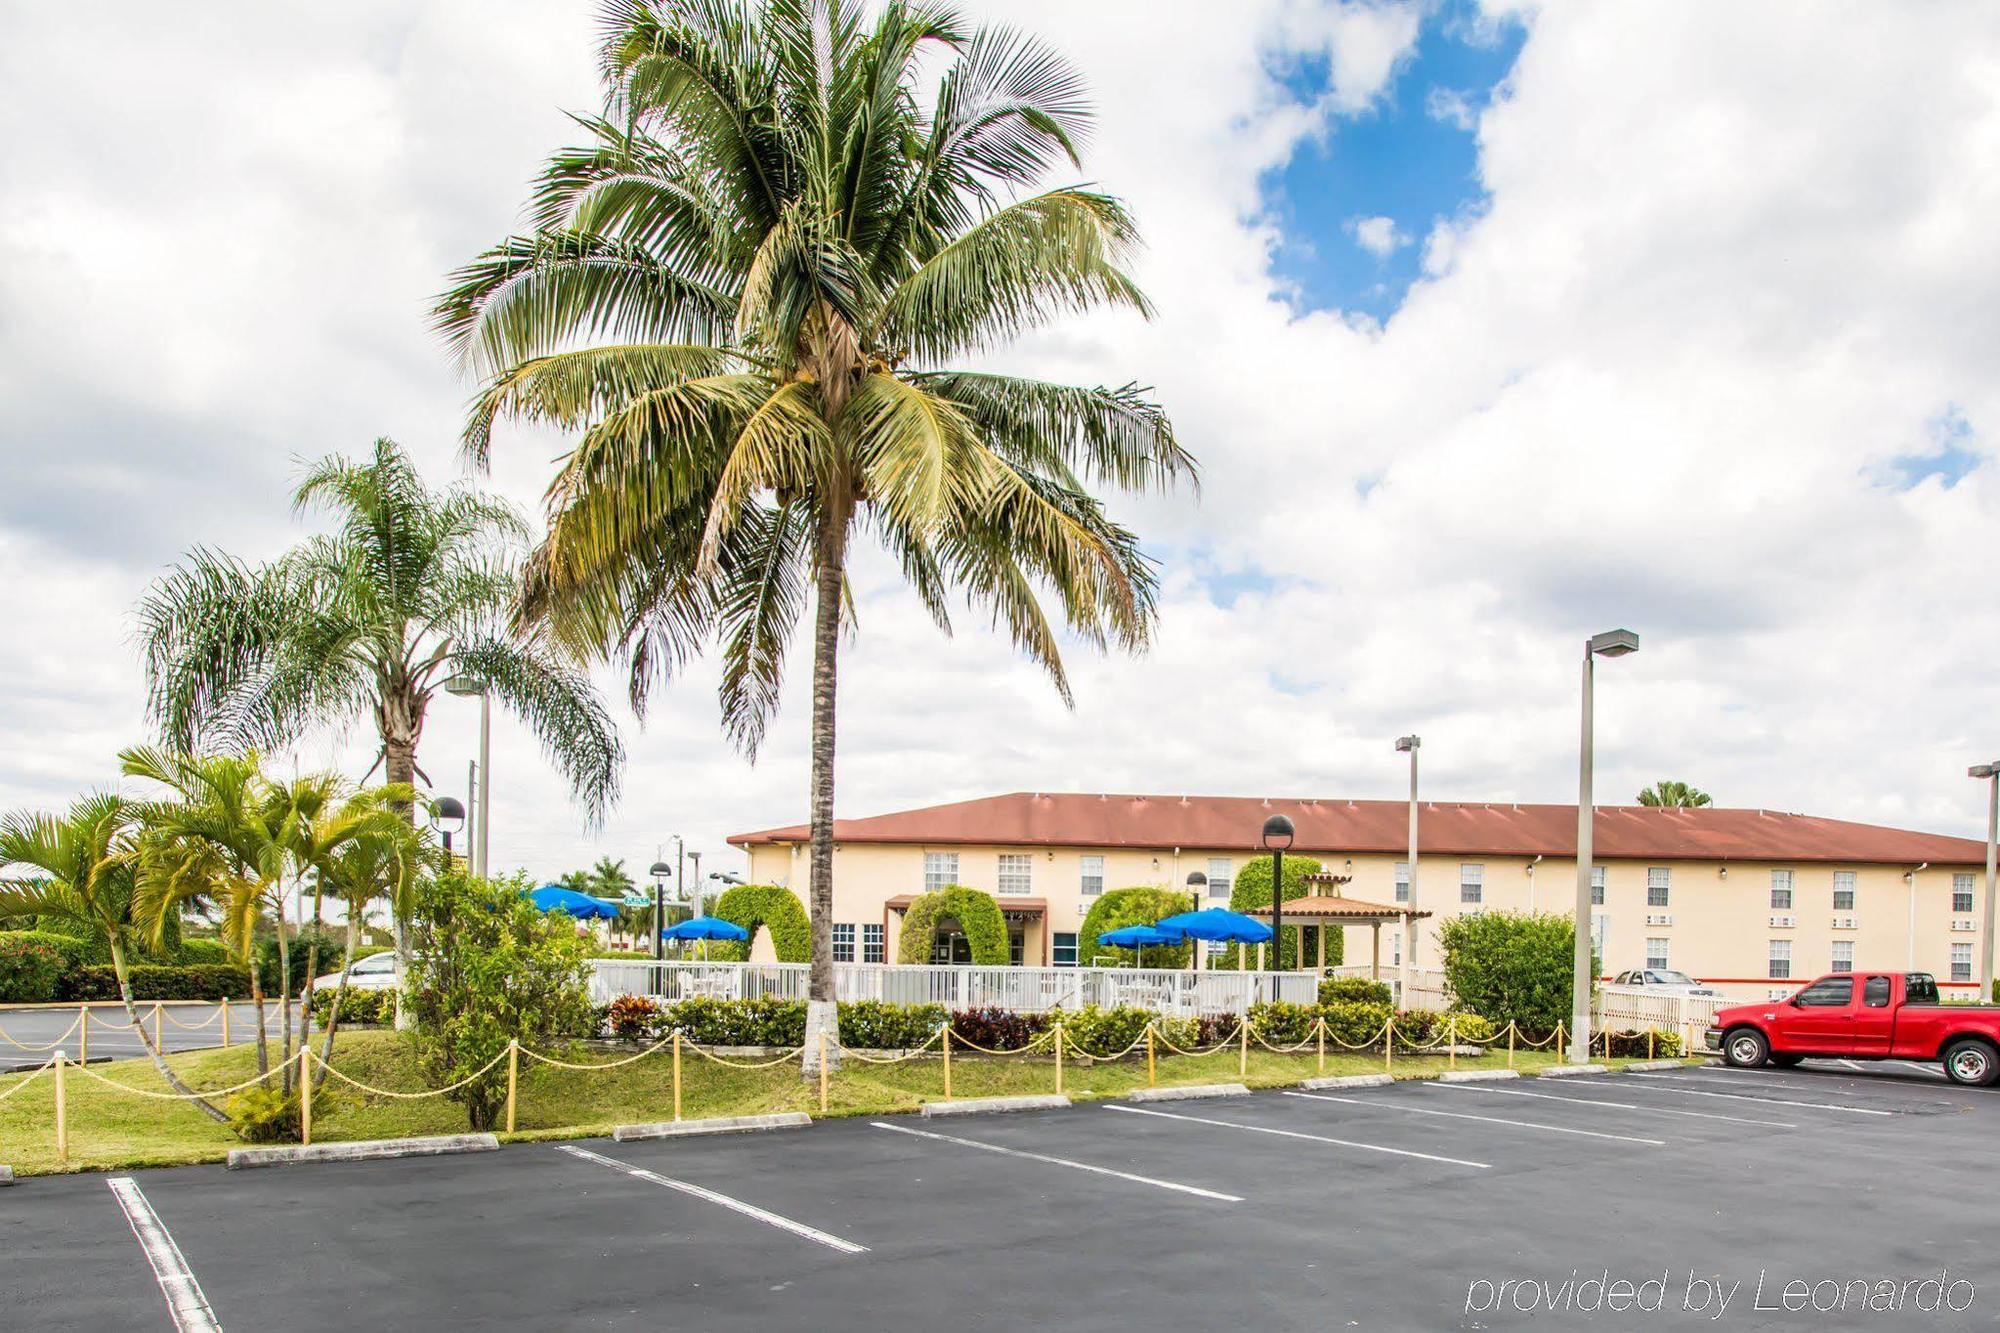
(1725, 274)
(1450, 106)
(1379, 236)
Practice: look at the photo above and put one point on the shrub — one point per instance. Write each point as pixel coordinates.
(977, 914)
(1665, 1044)
(263, 1114)
(875, 1025)
(1510, 966)
(332, 948)
(775, 908)
(764, 1021)
(1251, 893)
(632, 1016)
(997, 1029)
(30, 968)
(1354, 990)
(203, 953)
(489, 968)
(1282, 1024)
(1425, 1027)
(1105, 1032)
(1132, 907)
(1353, 1022)
(204, 981)
(359, 1006)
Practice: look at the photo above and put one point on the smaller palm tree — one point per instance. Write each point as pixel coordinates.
(83, 868)
(1675, 795)
(373, 858)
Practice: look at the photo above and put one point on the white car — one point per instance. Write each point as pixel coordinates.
(1663, 979)
(375, 972)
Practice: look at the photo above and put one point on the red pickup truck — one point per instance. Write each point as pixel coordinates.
(1865, 1016)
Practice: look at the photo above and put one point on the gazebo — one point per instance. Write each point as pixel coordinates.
(1325, 906)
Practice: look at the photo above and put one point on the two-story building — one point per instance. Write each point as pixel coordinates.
(1755, 899)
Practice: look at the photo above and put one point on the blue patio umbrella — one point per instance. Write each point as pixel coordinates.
(1214, 923)
(704, 928)
(1137, 937)
(556, 898)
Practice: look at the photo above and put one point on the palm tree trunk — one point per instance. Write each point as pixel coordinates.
(146, 1038)
(312, 968)
(821, 1012)
(284, 999)
(340, 993)
(400, 765)
(257, 999)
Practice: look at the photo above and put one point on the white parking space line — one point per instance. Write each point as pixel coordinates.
(1855, 1065)
(1489, 1119)
(1741, 1097)
(1928, 1071)
(1621, 1106)
(1061, 1161)
(1296, 1134)
(185, 1301)
(1823, 1083)
(825, 1238)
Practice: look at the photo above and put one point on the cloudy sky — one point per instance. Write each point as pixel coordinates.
(1492, 327)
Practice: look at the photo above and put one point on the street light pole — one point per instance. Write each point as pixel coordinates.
(696, 858)
(1612, 643)
(1278, 833)
(1409, 745)
(1990, 772)
(482, 805)
(659, 874)
(1197, 885)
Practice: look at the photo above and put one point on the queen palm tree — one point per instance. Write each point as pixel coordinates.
(747, 289)
(409, 590)
(84, 871)
(1677, 795)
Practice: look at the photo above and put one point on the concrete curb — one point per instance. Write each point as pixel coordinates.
(725, 1124)
(6, 1175)
(982, 1105)
(1567, 1071)
(1654, 1064)
(1476, 1075)
(365, 1150)
(1348, 1081)
(1188, 1094)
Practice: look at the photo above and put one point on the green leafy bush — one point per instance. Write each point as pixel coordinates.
(1354, 1023)
(489, 968)
(632, 1017)
(1354, 990)
(30, 968)
(205, 981)
(1132, 907)
(1096, 1031)
(359, 1006)
(1283, 1024)
(1511, 966)
(1425, 1027)
(263, 1114)
(997, 1029)
(773, 907)
(764, 1021)
(878, 1026)
(1633, 1045)
(1250, 893)
(977, 914)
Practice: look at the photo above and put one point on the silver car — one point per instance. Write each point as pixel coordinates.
(375, 972)
(1663, 979)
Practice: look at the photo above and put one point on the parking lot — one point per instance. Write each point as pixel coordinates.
(1374, 1208)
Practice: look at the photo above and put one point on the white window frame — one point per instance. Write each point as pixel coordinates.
(1016, 875)
(1961, 961)
(1782, 884)
(1659, 886)
(1402, 873)
(843, 941)
(1597, 886)
(1221, 877)
(1471, 876)
(1056, 947)
(1843, 956)
(1088, 884)
(872, 943)
(936, 875)
(1656, 953)
(1961, 890)
(1847, 883)
(1780, 958)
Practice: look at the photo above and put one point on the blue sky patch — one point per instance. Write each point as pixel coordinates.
(1355, 204)
(1951, 457)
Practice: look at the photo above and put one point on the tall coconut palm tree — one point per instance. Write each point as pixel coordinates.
(1673, 794)
(410, 589)
(747, 290)
(83, 868)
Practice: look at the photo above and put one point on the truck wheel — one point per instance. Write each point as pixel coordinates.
(1779, 1061)
(1971, 1061)
(1745, 1048)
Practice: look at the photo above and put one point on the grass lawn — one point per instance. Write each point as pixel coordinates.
(111, 1130)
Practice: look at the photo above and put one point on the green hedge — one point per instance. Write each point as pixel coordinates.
(153, 982)
(1251, 895)
(1354, 990)
(359, 1006)
(31, 966)
(1133, 907)
(976, 913)
(1511, 965)
(775, 908)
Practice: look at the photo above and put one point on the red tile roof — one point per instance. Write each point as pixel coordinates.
(1449, 828)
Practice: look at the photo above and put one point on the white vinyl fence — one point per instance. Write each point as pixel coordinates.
(1426, 984)
(1022, 989)
(1636, 1008)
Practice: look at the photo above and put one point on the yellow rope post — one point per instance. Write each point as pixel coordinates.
(822, 1071)
(1319, 1030)
(1243, 1046)
(1560, 1045)
(947, 1060)
(677, 1075)
(62, 1116)
(1510, 1043)
(83, 1034)
(1649, 1043)
(1059, 1046)
(305, 1097)
(513, 1077)
(1389, 1046)
(1451, 1043)
(1151, 1078)
(158, 1044)
(225, 1022)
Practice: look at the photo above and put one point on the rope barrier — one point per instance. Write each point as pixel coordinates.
(1221, 1045)
(208, 1022)
(911, 1054)
(659, 1045)
(473, 1077)
(34, 1074)
(197, 1095)
(790, 1055)
(960, 1040)
(24, 1046)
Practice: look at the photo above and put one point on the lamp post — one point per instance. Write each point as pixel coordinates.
(1278, 833)
(483, 805)
(1409, 745)
(1197, 885)
(659, 872)
(448, 815)
(1990, 772)
(696, 858)
(1611, 643)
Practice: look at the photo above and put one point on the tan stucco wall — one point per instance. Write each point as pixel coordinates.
(1720, 915)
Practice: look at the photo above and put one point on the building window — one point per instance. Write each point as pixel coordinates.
(871, 943)
(1396, 947)
(1217, 948)
(1015, 945)
(1600, 926)
(1092, 878)
(1471, 883)
(1961, 962)
(1402, 881)
(940, 870)
(1017, 873)
(1064, 951)
(843, 941)
(1781, 959)
(1781, 890)
(1843, 955)
(1961, 893)
(1221, 877)
(1656, 954)
(1659, 885)
(1843, 890)
(1597, 886)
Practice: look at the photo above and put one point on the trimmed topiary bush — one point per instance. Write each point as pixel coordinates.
(1510, 965)
(1251, 895)
(774, 908)
(1132, 907)
(1354, 990)
(977, 914)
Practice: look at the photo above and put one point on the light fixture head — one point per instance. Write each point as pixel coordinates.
(660, 870)
(1405, 744)
(465, 685)
(1614, 643)
(1983, 770)
(1197, 880)
(448, 814)
(1278, 833)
